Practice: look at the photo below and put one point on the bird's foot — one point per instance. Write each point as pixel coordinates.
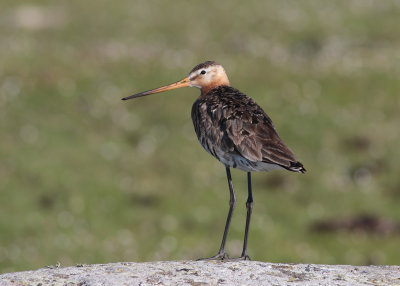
(243, 257)
(219, 256)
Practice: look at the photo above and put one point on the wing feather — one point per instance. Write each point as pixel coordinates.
(239, 126)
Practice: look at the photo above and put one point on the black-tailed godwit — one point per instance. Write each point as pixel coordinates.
(235, 130)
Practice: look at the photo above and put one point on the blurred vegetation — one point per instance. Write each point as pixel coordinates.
(87, 178)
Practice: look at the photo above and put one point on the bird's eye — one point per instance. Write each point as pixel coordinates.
(203, 72)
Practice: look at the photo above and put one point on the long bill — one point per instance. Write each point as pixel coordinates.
(182, 83)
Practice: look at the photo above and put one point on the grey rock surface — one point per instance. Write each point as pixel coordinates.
(206, 273)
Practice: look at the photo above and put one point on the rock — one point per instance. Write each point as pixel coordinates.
(206, 273)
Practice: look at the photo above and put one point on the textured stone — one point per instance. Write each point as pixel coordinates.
(206, 273)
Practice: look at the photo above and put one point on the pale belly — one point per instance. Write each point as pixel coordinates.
(239, 162)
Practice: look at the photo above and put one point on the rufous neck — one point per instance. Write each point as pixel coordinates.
(221, 82)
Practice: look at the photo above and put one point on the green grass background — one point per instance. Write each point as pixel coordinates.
(87, 178)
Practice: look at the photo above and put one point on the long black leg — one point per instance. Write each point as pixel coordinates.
(232, 201)
(249, 206)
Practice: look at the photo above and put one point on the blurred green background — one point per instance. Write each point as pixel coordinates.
(87, 178)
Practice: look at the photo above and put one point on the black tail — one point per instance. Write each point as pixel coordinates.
(296, 167)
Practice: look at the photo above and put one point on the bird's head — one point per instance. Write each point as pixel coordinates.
(205, 76)
(208, 75)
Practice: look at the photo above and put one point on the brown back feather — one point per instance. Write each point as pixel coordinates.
(240, 127)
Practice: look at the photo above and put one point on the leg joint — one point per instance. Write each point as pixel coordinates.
(249, 204)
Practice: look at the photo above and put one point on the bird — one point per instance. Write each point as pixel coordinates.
(234, 129)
